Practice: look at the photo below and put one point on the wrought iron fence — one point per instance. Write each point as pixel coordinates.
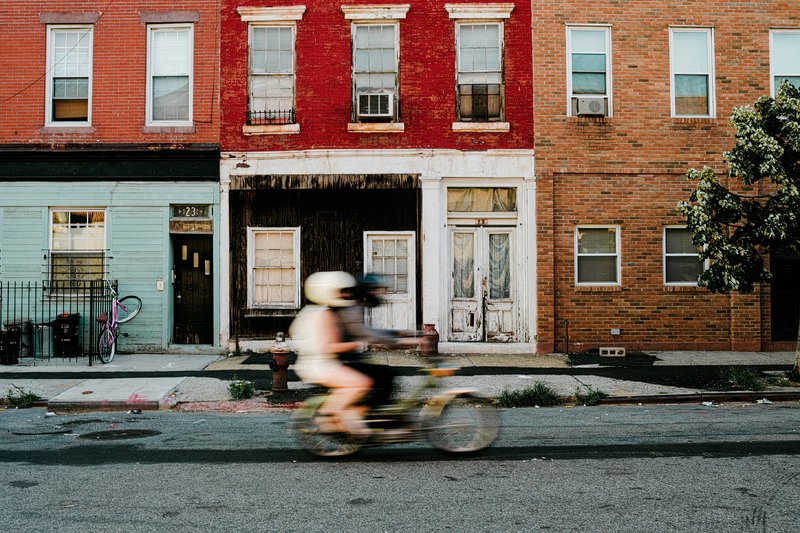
(52, 318)
(271, 116)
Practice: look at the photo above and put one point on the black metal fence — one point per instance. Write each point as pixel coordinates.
(51, 319)
(271, 116)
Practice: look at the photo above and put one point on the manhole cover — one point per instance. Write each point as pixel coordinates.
(117, 434)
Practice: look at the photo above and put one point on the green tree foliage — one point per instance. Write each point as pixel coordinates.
(736, 229)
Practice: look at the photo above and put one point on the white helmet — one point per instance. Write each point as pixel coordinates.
(325, 288)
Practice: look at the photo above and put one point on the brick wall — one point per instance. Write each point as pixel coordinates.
(119, 72)
(427, 81)
(630, 170)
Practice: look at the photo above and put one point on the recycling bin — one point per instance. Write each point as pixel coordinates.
(9, 352)
(65, 335)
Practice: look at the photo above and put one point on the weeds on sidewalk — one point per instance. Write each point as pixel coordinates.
(538, 395)
(783, 381)
(241, 389)
(22, 398)
(590, 397)
(738, 378)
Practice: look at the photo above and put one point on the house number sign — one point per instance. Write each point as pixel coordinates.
(190, 211)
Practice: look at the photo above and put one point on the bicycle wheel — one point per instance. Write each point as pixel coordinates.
(315, 441)
(106, 346)
(129, 307)
(466, 424)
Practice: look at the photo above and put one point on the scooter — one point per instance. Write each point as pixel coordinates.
(455, 421)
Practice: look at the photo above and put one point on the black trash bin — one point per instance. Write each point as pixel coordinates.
(65, 335)
(9, 350)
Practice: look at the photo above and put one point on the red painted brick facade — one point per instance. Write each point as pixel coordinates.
(427, 81)
(630, 170)
(119, 71)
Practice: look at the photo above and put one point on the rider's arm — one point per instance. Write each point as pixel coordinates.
(333, 336)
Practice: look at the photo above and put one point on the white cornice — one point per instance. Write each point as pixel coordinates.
(479, 11)
(270, 14)
(376, 12)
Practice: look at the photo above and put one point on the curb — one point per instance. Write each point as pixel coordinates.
(144, 405)
(699, 397)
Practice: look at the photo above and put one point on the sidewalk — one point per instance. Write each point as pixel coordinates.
(166, 381)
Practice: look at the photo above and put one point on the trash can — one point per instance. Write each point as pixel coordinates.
(65, 335)
(10, 346)
(43, 340)
(25, 336)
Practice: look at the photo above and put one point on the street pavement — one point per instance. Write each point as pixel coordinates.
(200, 381)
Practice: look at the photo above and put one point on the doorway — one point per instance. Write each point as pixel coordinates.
(391, 255)
(785, 295)
(193, 289)
(482, 302)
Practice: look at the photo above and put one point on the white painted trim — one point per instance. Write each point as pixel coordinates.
(479, 11)
(412, 264)
(251, 232)
(148, 119)
(664, 259)
(48, 103)
(271, 129)
(224, 266)
(270, 14)
(376, 12)
(712, 104)
(617, 254)
(609, 63)
(772, 71)
(482, 127)
(376, 127)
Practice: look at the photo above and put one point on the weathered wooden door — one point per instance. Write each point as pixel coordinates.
(482, 300)
(391, 255)
(193, 289)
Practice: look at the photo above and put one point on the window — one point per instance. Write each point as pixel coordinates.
(692, 70)
(77, 246)
(375, 72)
(169, 64)
(784, 58)
(271, 91)
(589, 70)
(597, 255)
(480, 72)
(273, 267)
(69, 76)
(682, 264)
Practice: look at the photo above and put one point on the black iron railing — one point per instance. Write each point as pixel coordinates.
(271, 116)
(45, 319)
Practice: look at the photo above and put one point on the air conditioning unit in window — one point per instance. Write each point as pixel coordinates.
(375, 105)
(592, 106)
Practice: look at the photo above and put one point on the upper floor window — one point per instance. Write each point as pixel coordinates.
(69, 76)
(272, 75)
(480, 70)
(692, 70)
(597, 257)
(682, 264)
(784, 58)
(273, 267)
(169, 65)
(77, 246)
(375, 72)
(589, 70)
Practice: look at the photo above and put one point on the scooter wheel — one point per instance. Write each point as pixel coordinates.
(465, 424)
(316, 441)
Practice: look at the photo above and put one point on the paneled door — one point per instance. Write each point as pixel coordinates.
(391, 255)
(482, 303)
(193, 289)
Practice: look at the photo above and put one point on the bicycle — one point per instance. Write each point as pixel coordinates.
(122, 310)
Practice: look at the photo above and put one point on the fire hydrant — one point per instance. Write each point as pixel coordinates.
(279, 363)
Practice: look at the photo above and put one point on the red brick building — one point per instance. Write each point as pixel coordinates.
(394, 138)
(628, 97)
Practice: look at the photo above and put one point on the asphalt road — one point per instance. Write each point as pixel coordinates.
(607, 468)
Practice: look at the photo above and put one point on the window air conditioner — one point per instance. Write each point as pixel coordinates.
(592, 106)
(375, 104)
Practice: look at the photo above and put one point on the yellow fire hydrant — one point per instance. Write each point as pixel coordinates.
(280, 363)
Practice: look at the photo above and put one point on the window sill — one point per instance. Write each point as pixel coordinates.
(67, 129)
(482, 127)
(261, 312)
(694, 120)
(169, 129)
(589, 119)
(684, 288)
(598, 288)
(376, 127)
(271, 129)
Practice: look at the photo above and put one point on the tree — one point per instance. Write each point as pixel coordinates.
(736, 229)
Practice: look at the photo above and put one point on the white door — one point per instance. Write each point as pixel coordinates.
(482, 304)
(391, 256)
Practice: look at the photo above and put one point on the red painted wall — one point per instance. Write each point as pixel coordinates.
(119, 72)
(427, 81)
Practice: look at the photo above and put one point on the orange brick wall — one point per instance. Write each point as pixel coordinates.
(630, 170)
(119, 72)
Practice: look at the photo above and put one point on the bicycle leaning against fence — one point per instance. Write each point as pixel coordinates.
(122, 310)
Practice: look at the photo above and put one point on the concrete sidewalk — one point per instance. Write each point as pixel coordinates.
(164, 381)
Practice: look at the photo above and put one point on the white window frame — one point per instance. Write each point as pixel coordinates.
(711, 73)
(50, 236)
(396, 90)
(250, 29)
(151, 29)
(609, 77)
(618, 255)
(664, 256)
(251, 235)
(50, 51)
(772, 71)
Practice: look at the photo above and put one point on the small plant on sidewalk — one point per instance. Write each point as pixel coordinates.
(736, 378)
(590, 397)
(241, 389)
(22, 398)
(539, 395)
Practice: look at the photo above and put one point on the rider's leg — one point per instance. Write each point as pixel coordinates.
(347, 386)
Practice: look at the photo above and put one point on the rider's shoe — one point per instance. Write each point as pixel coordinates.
(356, 426)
